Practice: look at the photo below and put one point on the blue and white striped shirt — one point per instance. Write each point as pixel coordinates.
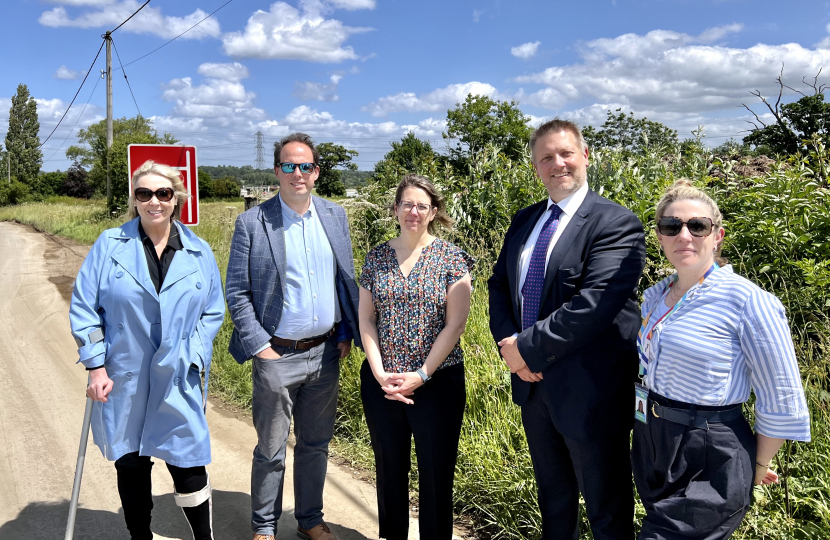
(727, 336)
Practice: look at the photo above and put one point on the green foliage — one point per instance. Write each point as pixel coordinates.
(624, 132)
(92, 152)
(22, 140)
(49, 183)
(333, 156)
(205, 184)
(481, 120)
(355, 179)
(226, 188)
(13, 192)
(796, 124)
(245, 175)
(75, 184)
(407, 155)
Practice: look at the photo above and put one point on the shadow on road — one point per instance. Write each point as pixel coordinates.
(231, 521)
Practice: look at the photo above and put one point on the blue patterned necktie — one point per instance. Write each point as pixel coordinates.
(532, 288)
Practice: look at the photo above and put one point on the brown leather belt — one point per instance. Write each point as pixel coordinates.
(302, 344)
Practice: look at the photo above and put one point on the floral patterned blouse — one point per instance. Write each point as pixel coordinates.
(412, 311)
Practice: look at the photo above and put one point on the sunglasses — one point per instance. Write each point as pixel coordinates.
(305, 168)
(164, 194)
(698, 226)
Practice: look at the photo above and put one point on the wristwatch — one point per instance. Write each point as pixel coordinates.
(423, 374)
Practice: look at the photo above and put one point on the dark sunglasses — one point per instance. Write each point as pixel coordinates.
(305, 168)
(698, 226)
(164, 194)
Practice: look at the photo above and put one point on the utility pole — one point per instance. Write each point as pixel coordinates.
(260, 163)
(108, 38)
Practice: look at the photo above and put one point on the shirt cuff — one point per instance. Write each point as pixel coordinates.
(794, 426)
(262, 348)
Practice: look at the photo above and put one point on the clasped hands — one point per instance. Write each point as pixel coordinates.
(509, 350)
(399, 386)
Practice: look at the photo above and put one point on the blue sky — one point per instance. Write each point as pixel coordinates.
(362, 73)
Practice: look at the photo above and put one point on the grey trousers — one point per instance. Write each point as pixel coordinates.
(302, 384)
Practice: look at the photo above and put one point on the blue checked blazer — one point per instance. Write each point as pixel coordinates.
(255, 282)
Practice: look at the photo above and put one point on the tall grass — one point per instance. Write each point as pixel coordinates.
(778, 235)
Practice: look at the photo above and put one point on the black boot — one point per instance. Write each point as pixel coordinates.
(135, 486)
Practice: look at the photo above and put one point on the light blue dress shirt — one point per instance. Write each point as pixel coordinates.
(727, 337)
(310, 307)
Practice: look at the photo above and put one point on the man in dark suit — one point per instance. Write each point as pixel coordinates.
(563, 310)
(292, 296)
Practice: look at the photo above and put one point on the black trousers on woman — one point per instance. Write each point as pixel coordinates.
(435, 422)
(694, 483)
(135, 488)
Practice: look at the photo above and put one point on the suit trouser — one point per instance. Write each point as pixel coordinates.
(564, 467)
(435, 422)
(302, 384)
(135, 488)
(694, 483)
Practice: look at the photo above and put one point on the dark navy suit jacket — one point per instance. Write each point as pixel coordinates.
(584, 341)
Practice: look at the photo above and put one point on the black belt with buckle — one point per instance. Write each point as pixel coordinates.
(695, 418)
(302, 344)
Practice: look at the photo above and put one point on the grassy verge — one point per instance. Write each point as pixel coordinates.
(494, 480)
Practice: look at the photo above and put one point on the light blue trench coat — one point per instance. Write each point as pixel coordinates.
(155, 348)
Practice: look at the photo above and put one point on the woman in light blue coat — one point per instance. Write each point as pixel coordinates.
(146, 307)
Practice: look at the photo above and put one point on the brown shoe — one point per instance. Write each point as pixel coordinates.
(318, 532)
(258, 536)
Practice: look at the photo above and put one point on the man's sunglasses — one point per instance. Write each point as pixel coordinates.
(305, 168)
(698, 226)
(164, 194)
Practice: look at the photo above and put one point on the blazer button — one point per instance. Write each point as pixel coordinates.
(198, 284)
(273, 329)
(120, 326)
(129, 374)
(551, 358)
(184, 335)
(178, 381)
(119, 274)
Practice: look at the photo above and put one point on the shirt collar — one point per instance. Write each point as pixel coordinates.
(287, 211)
(570, 204)
(173, 240)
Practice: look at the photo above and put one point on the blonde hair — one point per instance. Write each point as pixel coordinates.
(165, 171)
(683, 190)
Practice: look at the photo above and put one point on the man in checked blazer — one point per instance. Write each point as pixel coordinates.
(292, 295)
(563, 310)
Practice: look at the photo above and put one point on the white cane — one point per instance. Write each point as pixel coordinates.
(79, 470)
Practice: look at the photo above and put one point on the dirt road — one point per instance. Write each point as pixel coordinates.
(41, 410)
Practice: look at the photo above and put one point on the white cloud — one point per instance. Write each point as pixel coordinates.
(526, 50)
(148, 21)
(670, 72)
(288, 33)
(352, 4)
(477, 15)
(82, 2)
(230, 72)
(314, 91)
(442, 98)
(221, 100)
(66, 74)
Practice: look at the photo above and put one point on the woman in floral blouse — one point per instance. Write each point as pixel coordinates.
(414, 300)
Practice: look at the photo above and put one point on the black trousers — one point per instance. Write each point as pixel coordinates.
(564, 467)
(135, 488)
(435, 422)
(694, 483)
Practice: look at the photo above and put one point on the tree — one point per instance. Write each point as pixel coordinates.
(481, 120)
(630, 134)
(226, 188)
(795, 123)
(75, 183)
(407, 155)
(206, 190)
(49, 183)
(22, 140)
(333, 156)
(92, 153)
(13, 193)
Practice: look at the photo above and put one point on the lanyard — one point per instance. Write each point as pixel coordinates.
(644, 342)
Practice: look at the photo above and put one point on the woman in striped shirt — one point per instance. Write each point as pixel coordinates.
(708, 337)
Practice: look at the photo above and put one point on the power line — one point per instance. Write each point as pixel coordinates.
(175, 38)
(76, 93)
(125, 73)
(76, 121)
(130, 17)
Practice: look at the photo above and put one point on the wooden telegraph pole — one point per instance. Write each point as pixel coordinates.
(108, 39)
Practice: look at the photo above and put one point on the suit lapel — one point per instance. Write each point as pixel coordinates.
(563, 244)
(272, 221)
(130, 256)
(181, 266)
(329, 226)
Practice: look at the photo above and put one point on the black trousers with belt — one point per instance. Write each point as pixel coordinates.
(694, 483)
(435, 422)
(135, 488)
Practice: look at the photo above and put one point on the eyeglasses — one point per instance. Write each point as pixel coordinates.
(305, 168)
(407, 206)
(164, 194)
(698, 226)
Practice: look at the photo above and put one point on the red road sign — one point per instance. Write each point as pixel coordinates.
(182, 158)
